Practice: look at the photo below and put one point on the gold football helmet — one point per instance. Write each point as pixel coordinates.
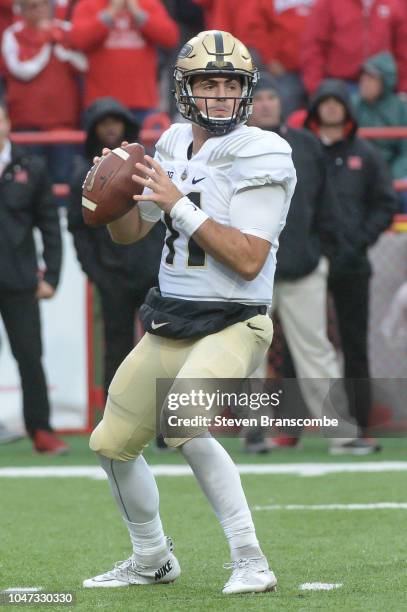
(214, 53)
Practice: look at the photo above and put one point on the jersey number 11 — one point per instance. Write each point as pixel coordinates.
(196, 255)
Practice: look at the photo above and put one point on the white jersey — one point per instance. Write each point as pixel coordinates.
(245, 158)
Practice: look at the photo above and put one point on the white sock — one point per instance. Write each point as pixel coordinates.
(220, 481)
(136, 494)
(149, 543)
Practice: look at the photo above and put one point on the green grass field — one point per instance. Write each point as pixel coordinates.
(57, 531)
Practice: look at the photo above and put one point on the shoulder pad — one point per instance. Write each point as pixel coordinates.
(166, 145)
(264, 160)
(249, 142)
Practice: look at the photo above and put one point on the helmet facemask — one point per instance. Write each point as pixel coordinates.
(217, 126)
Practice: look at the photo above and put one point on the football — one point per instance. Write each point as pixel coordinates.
(108, 188)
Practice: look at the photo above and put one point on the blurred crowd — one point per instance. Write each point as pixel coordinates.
(59, 56)
(105, 66)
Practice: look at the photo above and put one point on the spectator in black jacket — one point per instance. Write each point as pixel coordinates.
(367, 202)
(311, 235)
(26, 201)
(122, 273)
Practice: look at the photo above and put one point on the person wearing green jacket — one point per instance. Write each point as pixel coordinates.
(378, 105)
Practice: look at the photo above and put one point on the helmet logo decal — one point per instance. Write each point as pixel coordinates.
(185, 51)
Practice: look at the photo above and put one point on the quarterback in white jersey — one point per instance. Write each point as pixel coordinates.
(216, 179)
(223, 190)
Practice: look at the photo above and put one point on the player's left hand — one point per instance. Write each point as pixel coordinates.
(164, 193)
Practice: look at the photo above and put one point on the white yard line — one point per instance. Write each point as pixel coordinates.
(373, 506)
(22, 590)
(320, 586)
(296, 469)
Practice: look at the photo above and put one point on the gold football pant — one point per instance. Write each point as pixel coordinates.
(129, 421)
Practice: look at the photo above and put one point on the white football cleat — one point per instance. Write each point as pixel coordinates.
(249, 576)
(129, 572)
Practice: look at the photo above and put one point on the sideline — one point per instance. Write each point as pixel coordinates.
(297, 469)
(373, 506)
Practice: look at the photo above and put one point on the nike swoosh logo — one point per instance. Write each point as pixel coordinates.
(195, 181)
(157, 325)
(254, 327)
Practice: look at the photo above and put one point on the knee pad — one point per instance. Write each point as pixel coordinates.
(103, 442)
(100, 442)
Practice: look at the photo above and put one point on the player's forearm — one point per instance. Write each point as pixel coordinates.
(230, 247)
(128, 228)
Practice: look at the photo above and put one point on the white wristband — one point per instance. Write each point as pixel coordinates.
(187, 216)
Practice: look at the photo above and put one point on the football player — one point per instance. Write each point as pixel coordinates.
(223, 191)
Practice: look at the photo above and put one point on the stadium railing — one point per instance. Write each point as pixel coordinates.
(149, 136)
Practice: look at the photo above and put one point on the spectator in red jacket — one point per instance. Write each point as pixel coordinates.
(274, 29)
(120, 38)
(42, 91)
(226, 15)
(222, 15)
(63, 9)
(9, 13)
(341, 36)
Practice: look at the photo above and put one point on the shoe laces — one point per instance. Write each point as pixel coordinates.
(240, 568)
(126, 569)
(129, 567)
(124, 566)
